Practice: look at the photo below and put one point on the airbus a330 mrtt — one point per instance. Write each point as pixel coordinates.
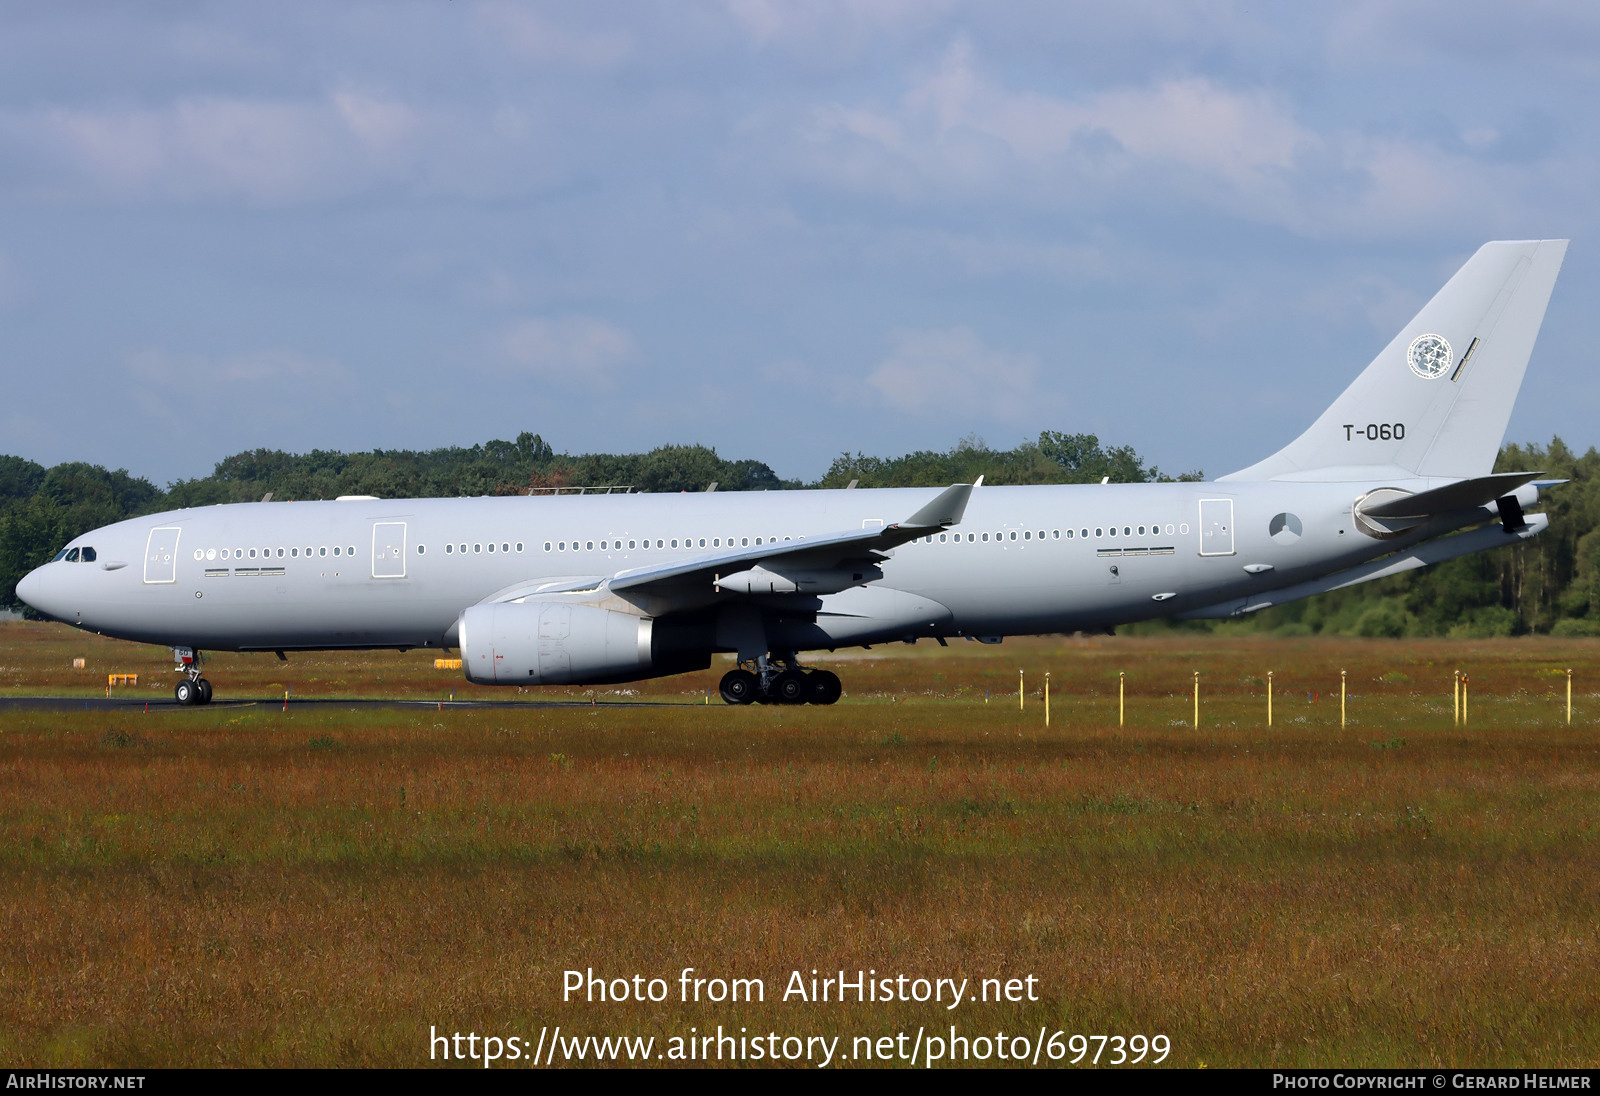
(1397, 474)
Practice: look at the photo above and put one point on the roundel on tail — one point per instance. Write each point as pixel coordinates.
(1429, 356)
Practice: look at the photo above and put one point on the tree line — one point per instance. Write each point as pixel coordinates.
(1549, 585)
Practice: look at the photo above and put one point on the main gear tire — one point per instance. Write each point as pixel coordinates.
(738, 687)
(823, 687)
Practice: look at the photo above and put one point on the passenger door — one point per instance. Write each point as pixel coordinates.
(389, 549)
(161, 556)
(1216, 527)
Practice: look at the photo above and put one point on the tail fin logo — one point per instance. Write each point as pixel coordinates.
(1429, 356)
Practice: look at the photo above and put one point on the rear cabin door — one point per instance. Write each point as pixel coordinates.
(389, 549)
(1216, 527)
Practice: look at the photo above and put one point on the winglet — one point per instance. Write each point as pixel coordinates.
(945, 510)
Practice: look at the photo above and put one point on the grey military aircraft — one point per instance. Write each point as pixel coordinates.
(1397, 474)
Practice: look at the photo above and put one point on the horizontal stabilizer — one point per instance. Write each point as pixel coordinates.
(1466, 495)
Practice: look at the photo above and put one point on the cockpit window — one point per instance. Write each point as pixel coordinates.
(72, 555)
(61, 555)
(87, 555)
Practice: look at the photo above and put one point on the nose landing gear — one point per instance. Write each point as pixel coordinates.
(193, 689)
(774, 680)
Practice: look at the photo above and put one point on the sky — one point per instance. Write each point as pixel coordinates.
(785, 230)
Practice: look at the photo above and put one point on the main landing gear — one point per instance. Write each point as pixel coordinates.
(780, 681)
(193, 689)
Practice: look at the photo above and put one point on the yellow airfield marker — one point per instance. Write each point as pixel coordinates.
(1569, 696)
(1341, 699)
(1269, 698)
(1047, 698)
(1020, 696)
(1122, 699)
(1197, 700)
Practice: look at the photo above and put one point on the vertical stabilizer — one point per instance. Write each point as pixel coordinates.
(1436, 401)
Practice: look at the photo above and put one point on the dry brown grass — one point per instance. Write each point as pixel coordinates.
(239, 885)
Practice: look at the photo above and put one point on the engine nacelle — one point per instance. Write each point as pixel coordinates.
(561, 643)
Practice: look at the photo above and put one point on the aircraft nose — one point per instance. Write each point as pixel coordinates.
(35, 590)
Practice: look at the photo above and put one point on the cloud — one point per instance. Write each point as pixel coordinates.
(532, 36)
(274, 371)
(831, 25)
(955, 124)
(264, 151)
(957, 136)
(952, 370)
(575, 350)
(240, 395)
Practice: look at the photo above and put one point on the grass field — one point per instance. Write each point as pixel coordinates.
(245, 885)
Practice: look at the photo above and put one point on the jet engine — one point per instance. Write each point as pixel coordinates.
(560, 643)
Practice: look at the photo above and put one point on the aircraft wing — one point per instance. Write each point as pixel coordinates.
(810, 565)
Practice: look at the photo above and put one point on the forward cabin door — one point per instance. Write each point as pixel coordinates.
(389, 549)
(161, 556)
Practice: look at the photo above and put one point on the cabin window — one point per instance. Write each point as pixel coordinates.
(589, 546)
(295, 552)
(504, 547)
(1013, 535)
(1184, 528)
(1141, 530)
(1169, 530)
(561, 546)
(744, 541)
(323, 550)
(986, 537)
(546, 546)
(491, 547)
(702, 542)
(632, 544)
(476, 548)
(1098, 532)
(1127, 531)
(335, 549)
(280, 553)
(519, 547)
(421, 550)
(674, 542)
(1069, 534)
